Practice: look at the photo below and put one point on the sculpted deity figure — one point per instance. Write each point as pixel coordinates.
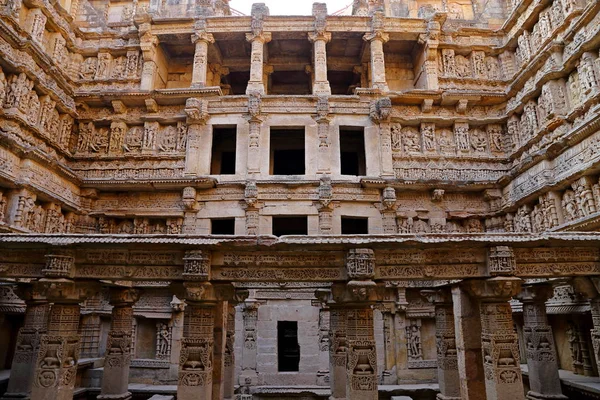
(3, 87)
(461, 132)
(575, 346)
(164, 338)
(427, 131)
(569, 204)
(410, 138)
(463, 69)
(88, 68)
(491, 65)
(478, 140)
(413, 342)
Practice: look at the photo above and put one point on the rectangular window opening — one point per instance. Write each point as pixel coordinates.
(296, 225)
(352, 151)
(287, 152)
(288, 348)
(355, 226)
(222, 226)
(223, 151)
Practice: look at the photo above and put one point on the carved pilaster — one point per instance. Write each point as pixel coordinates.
(500, 349)
(201, 40)
(28, 341)
(56, 365)
(115, 378)
(380, 111)
(255, 122)
(196, 358)
(446, 343)
(377, 39)
(197, 157)
(258, 41)
(544, 382)
(229, 355)
(321, 84)
(249, 376)
(323, 121)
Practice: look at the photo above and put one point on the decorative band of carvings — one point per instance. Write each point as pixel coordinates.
(422, 364)
(557, 269)
(144, 363)
(272, 274)
(428, 271)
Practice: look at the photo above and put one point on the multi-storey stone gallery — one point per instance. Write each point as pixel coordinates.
(202, 205)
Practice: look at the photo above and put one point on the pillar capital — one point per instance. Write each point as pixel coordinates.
(202, 36)
(64, 290)
(438, 296)
(196, 265)
(380, 36)
(60, 263)
(536, 293)
(262, 37)
(124, 297)
(501, 261)
(493, 289)
(319, 36)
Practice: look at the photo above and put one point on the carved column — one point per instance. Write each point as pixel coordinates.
(429, 77)
(499, 345)
(544, 382)
(229, 355)
(377, 39)
(255, 122)
(380, 111)
(258, 41)
(589, 287)
(201, 40)
(197, 157)
(25, 359)
(196, 358)
(220, 340)
(337, 351)
(249, 376)
(467, 323)
(115, 379)
(56, 368)
(321, 84)
(323, 121)
(389, 374)
(446, 343)
(149, 47)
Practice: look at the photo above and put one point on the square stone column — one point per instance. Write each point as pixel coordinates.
(467, 323)
(229, 356)
(56, 366)
(377, 39)
(320, 39)
(445, 338)
(337, 351)
(258, 41)
(196, 357)
(115, 379)
(220, 338)
(544, 382)
(197, 157)
(499, 342)
(248, 375)
(201, 40)
(361, 361)
(27, 348)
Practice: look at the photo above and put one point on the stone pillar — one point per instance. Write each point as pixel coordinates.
(56, 368)
(115, 379)
(377, 39)
(380, 112)
(196, 357)
(361, 363)
(467, 323)
(27, 348)
(446, 343)
(197, 156)
(201, 40)
(220, 333)
(544, 382)
(499, 342)
(589, 287)
(258, 41)
(389, 376)
(249, 376)
(337, 351)
(323, 124)
(321, 83)
(229, 356)
(149, 47)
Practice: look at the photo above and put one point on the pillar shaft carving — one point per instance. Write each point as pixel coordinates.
(201, 39)
(28, 341)
(380, 112)
(377, 40)
(196, 163)
(499, 345)
(446, 343)
(337, 351)
(115, 378)
(321, 84)
(542, 363)
(56, 364)
(258, 41)
(323, 125)
(255, 123)
(361, 360)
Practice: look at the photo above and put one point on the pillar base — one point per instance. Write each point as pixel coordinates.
(538, 396)
(122, 396)
(255, 87)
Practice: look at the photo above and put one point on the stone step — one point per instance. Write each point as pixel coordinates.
(161, 397)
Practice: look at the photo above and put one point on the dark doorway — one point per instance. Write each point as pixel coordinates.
(222, 226)
(352, 151)
(223, 151)
(355, 226)
(288, 349)
(287, 152)
(292, 225)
